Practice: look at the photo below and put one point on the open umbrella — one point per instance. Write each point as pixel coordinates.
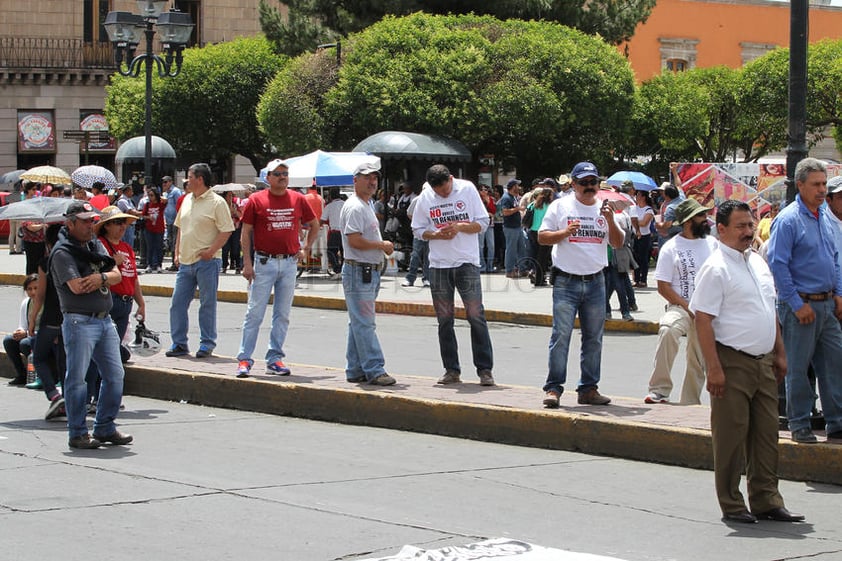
(47, 174)
(641, 181)
(239, 189)
(618, 201)
(43, 209)
(11, 176)
(329, 169)
(85, 176)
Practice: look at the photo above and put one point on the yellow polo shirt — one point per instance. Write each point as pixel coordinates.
(199, 220)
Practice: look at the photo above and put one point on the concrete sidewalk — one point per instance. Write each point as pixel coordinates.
(628, 428)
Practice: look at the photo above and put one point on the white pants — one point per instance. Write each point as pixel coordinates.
(675, 323)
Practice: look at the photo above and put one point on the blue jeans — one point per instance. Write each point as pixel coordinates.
(443, 283)
(120, 311)
(419, 258)
(588, 299)
(514, 243)
(203, 275)
(154, 249)
(16, 350)
(819, 343)
(279, 275)
(87, 339)
(363, 355)
(486, 243)
(619, 282)
(49, 358)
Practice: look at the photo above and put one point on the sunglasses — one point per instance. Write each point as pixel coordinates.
(279, 173)
(586, 182)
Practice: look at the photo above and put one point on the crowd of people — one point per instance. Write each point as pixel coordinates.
(758, 335)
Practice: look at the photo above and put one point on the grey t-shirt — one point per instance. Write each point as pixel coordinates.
(357, 217)
(63, 268)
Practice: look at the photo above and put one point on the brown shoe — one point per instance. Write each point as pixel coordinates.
(593, 397)
(485, 378)
(551, 399)
(84, 442)
(450, 377)
(115, 437)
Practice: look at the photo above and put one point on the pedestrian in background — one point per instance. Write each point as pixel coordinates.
(450, 216)
(734, 307)
(363, 248)
(204, 225)
(804, 260)
(579, 228)
(271, 224)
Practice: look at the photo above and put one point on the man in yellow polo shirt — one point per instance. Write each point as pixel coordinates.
(204, 225)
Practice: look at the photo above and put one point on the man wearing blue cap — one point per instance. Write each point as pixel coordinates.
(579, 228)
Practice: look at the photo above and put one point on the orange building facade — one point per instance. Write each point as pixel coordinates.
(684, 34)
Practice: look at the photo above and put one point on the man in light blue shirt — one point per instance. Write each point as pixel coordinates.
(803, 258)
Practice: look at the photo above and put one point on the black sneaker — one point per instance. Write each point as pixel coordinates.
(18, 381)
(56, 409)
(177, 350)
(84, 442)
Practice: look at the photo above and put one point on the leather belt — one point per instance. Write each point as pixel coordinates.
(123, 297)
(360, 263)
(585, 278)
(751, 356)
(276, 256)
(820, 297)
(96, 315)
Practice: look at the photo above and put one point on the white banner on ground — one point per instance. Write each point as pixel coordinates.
(498, 548)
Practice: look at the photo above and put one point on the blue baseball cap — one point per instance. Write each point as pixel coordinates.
(584, 169)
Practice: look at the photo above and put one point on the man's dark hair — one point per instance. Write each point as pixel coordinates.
(723, 213)
(97, 186)
(334, 193)
(671, 192)
(437, 175)
(204, 171)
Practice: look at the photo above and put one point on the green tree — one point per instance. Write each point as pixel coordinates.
(309, 22)
(208, 110)
(539, 95)
(764, 97)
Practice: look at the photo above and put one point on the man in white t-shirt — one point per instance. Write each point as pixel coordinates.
(678, 262)
(739, 334)
(330, 216)
(450, 215)
(579, 228)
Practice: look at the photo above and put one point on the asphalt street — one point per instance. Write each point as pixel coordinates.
(201, 484)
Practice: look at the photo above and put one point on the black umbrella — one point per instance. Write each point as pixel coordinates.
(42, 209)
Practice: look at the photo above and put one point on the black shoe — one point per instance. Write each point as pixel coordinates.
(780, 514)
(743, 517)
(357, 380)
(835, 435)
(18, 381)
(177, 350)
(56, 409)
(115, 437)
(804, 436)
(204, 352)
(84, 442)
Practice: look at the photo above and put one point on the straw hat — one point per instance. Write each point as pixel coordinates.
(112, 213)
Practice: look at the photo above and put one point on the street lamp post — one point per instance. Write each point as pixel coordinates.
(796, 149)
(125, 30)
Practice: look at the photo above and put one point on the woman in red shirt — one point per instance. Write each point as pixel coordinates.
(110, 229)
(153, 219)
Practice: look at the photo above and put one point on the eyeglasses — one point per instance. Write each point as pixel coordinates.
(585, 182)
(279, 173)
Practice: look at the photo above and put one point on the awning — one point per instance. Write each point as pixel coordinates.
(135, 149)
(414, 146)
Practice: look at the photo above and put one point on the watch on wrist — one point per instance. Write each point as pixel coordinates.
(104, 278)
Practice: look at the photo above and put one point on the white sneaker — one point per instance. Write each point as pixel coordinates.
(655, 397)
(407, 283)
(426, 284)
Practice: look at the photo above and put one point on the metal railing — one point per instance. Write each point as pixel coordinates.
(54, 53)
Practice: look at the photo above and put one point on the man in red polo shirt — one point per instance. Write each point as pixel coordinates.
(272, 220)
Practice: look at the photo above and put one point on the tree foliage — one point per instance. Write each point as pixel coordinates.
(310, 22)
(539, 93)
(207, 111)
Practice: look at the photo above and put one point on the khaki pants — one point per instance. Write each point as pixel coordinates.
(675, 323)
(744, 427)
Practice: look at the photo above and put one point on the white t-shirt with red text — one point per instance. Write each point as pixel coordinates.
(586, 251)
